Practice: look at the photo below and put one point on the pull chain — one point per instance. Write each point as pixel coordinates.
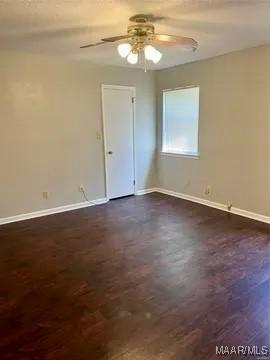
(144, 62)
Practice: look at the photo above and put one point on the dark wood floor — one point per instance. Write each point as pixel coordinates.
(141, 278)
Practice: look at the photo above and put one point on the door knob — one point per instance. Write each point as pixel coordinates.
(110, 152)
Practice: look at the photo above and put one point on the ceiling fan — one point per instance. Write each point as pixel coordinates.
(140, 36)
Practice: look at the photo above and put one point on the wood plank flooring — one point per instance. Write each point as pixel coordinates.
(141, 278)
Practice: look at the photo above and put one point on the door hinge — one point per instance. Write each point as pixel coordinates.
(133, 99)
(133, 182)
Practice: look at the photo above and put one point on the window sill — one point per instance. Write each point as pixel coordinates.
(189, 156)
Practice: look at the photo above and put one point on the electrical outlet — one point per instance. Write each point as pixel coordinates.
(229, 206)
(45, 195)
(81, 188)
(207, 190)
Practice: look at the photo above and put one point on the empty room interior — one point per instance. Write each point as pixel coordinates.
(135, 179)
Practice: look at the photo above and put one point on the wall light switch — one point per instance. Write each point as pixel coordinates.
(98, 135)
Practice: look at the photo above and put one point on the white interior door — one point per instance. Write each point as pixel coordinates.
(118, 140)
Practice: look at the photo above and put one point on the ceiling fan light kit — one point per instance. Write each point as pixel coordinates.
(132, 54)
(140, 38)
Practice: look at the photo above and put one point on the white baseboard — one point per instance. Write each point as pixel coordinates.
(145, 191)
(234, 210)
(223, 207)
(56, 210)
(251, 215)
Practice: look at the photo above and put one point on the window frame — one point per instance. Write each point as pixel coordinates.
(191, 155)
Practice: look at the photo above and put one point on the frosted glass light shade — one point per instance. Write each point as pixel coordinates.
(124, 49)
(152, 54)
(157, 56)
(149, 52)
(132, 58)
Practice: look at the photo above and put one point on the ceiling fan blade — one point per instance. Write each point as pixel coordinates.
(90, 45)
(116, 38)
(185, 42)
(107, 40)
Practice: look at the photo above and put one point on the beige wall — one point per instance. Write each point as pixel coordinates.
(234, 130)
(50, 111)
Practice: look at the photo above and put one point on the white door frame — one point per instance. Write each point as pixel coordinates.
(133, 91)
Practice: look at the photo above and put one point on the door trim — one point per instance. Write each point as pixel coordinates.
(133, 91)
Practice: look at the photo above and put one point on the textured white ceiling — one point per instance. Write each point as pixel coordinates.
(59, 27)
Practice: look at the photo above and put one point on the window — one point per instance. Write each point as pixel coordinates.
(181, 121)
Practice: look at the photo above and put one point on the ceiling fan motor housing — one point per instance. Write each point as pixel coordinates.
(140, 34)
(142, 18)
